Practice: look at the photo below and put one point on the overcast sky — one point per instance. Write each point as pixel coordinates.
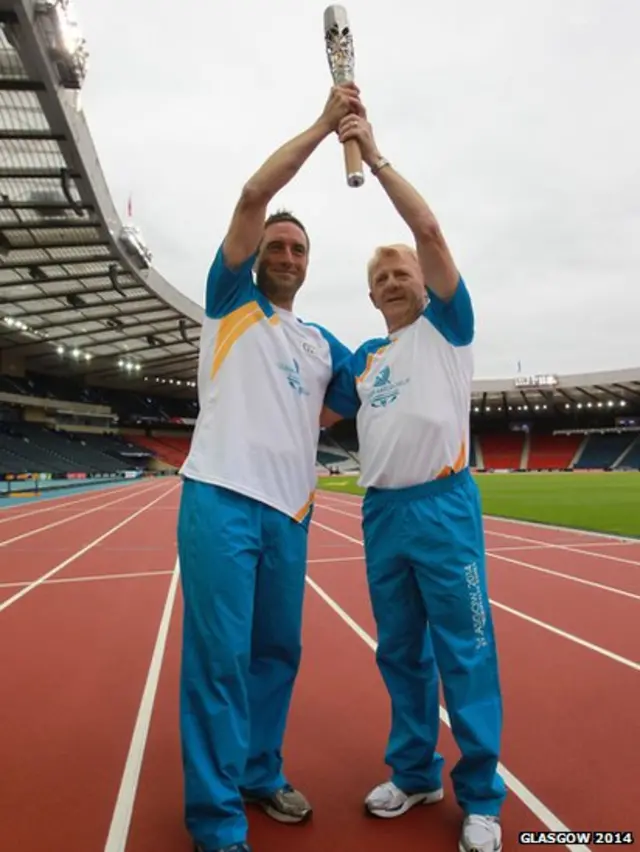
(518, 121)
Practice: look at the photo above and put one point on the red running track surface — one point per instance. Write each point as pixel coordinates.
(90, 618)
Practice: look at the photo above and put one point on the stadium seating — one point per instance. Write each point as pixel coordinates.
(126, 453)
(502, 451)
(130, 406)
(171, 451)
(603, 450)
(33, 448)
(327, 459)
(179, 443)
(552, 452)
(632, 459)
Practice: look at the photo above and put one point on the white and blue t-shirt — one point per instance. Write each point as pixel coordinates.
(262, 379)
(411, 394)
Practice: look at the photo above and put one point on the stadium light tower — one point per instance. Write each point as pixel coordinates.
(67, 47)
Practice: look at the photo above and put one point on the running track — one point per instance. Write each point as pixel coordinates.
(90, 615)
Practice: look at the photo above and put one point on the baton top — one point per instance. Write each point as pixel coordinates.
(339, 44)
(336, 16)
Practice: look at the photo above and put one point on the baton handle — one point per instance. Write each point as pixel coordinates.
(353, 163)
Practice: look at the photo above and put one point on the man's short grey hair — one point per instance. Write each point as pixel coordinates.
(393, 250)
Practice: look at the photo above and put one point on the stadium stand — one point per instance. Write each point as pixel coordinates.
(503, 451)
(171, 451)
(553, 452)
(604, 451)
(631, 461)
(58, 452)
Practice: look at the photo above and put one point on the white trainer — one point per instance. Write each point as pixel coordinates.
(388, 801)
(480, 834)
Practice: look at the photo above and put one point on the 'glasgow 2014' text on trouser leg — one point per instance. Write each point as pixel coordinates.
(447, 544)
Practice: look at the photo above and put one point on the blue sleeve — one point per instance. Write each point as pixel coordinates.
(341, 396)
(454, 318)
(228, 289)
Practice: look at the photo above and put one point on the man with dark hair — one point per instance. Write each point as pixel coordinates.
(247, 497)
(286, 216)
(267, 283)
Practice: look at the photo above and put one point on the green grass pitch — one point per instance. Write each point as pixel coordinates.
(604, 502)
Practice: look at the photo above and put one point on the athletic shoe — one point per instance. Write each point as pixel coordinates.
(481, 834)
(285, 805)
(235, 847)
(389, 801)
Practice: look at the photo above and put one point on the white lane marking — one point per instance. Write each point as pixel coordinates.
(556, 630)
(33, 585)
(123, 810)
(529, 799)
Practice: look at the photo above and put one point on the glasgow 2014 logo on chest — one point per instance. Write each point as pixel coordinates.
(294, 378)
(385, 391)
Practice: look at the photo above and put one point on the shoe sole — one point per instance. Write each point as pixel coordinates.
(411, 802)
(197, 848)
(274, 813)
(463, 848)
(279, 816)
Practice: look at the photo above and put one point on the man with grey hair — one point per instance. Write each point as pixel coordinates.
(422, 518)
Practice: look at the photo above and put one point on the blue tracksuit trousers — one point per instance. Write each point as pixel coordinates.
(242, 567)
(424, 549)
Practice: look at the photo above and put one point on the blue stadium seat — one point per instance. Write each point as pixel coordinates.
(601, 451)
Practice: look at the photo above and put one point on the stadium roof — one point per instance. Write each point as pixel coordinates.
(78, 291)
(618, 390)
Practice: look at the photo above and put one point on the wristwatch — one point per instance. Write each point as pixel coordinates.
(378, 165)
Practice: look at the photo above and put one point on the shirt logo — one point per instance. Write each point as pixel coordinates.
(294, 379)
(385, 392)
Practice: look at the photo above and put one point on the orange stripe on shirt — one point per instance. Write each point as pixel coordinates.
(458, 464)
(300, 514)
(231, 328)
(369, 364)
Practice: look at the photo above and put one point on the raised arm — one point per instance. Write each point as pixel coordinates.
(245, 230)
(230, 283)
(440, 272)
